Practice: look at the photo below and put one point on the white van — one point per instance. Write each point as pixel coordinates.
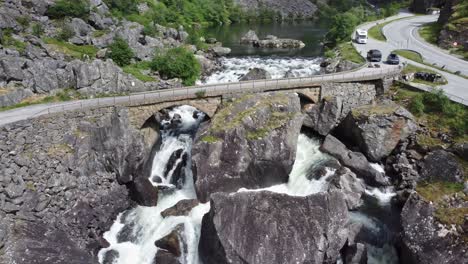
(360, 36)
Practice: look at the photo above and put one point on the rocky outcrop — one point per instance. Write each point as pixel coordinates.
(377, 129)
(441, 166)
(13, 96)
(299, 229)
(338, 99)
(352, 188)
(249, 38)
(250, 142)
(63, 174)
(287, 9)
(280, 43)
(356, 161)
(426, 241)
(337, 65)
(181, 208)
(256, 74)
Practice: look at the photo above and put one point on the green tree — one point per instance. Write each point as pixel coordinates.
(177, 63)
(342, 27)
(66, 8)
(120, 52)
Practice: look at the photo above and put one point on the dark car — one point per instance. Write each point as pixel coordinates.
(393, 59)
(374, 55)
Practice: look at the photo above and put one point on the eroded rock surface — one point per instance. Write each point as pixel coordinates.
(266, 227)
(251, 142)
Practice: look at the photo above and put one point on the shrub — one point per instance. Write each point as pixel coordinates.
(67, 8)
(37, 29)
(177, 63)
(124, 6)
(23, 21)
(436, 101)
(200, 94)
(65, 32)
(120, 52)
(330, 54)
(417, 105)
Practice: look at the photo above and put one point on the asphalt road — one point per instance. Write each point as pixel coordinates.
(33, 111)
(402, 34)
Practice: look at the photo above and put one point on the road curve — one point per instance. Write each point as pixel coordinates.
(457, 86)
(404, 34)
(362, 74)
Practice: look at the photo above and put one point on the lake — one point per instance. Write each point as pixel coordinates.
(310, 32)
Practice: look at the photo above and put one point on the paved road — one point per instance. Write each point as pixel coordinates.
(457, 87)
(33, 111)
(404, 34)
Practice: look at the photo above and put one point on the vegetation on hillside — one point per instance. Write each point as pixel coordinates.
(120, 52)
(66, 8)
(177, 63)
(345, 15)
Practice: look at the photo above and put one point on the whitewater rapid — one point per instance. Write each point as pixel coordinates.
(146, 223)
(234, 68)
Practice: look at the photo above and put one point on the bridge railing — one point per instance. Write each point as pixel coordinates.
(209, 90)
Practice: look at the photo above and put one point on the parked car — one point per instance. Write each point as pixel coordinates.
(393, 59)
(374, 55)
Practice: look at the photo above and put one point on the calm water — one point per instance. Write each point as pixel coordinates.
(310, 32)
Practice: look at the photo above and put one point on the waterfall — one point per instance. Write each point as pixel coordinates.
(135, 231)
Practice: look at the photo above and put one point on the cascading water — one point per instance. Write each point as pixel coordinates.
(235, 68)
(132, 237)
(134, 232)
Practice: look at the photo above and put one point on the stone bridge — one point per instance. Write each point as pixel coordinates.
(204, 96)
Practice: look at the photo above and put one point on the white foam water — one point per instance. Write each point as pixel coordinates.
(307, 154)
(235, 68)
(383, 195)
(147, 224)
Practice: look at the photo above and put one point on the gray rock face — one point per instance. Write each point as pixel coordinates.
(424, 241)
(352, 188)
(356, 254)
(65, 171)
(221, 51)
(356, 161)
(12, 97)
(36, 242)
(250, 142)
(296, 8)
(442, 166)
(256, 74)
(181, 208)
(298, 229)
(338, 99)
(377, 129)
(249, 38)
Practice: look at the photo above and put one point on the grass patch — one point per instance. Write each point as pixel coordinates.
(348, 52)
(430, 32)
(10, 42)
(210, 139)
(136, 71)
(409, 54)
(374, 110)
(62, 96)
(435, 191)
(72, 50)
(375, 32)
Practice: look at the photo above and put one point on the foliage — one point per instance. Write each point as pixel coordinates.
(9, 41)
(37, 30)
(67, 8)
(23, 21)
(65, 32)
(124, 6)
(417, 106)
(75, 51)
(330, 53)
(120, 52)
(348, 52)
(177, 63)
(136, 70)
(430, 32)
